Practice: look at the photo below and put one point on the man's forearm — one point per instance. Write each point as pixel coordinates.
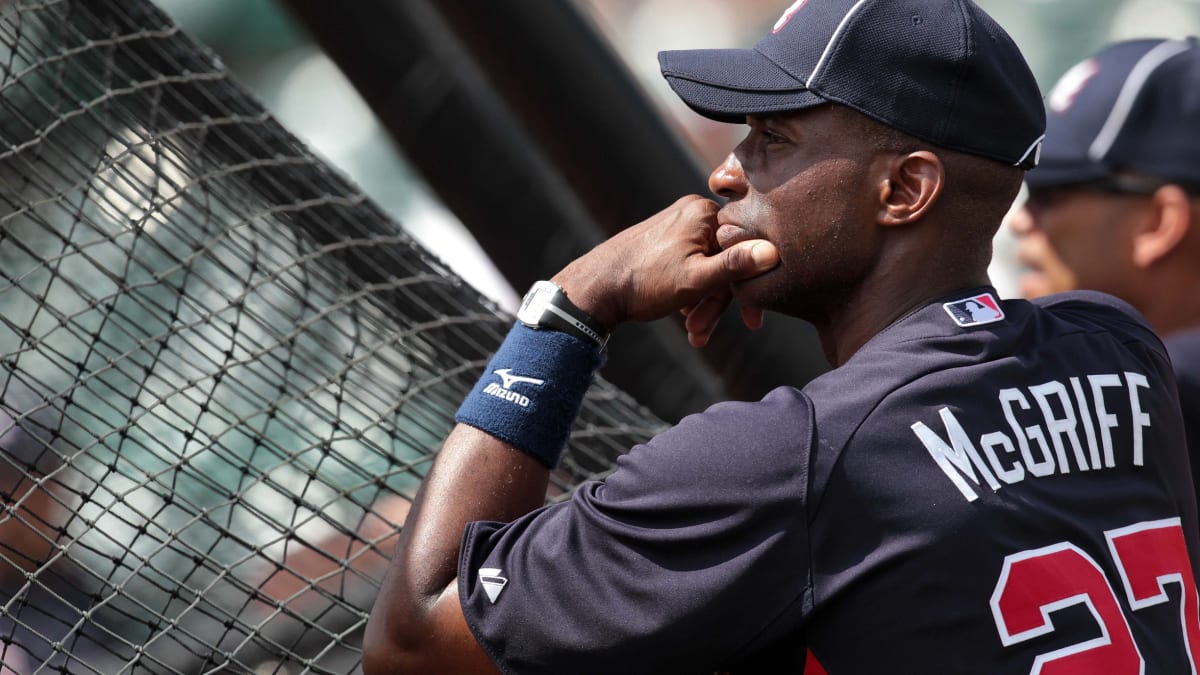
(475, 477)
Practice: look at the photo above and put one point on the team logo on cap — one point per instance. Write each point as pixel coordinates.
(1063, 95)
(787, 15)
(975, 311)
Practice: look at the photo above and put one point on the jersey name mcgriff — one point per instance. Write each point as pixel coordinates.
(1052, 428)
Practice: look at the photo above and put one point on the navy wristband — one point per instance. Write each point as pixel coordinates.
(532, 390)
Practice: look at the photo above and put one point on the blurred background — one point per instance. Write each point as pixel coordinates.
(271, 53)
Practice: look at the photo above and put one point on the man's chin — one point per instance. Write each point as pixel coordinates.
(762, 292)
(1035, 285)
(749, 291)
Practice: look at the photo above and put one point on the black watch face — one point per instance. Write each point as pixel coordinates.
(535, 303)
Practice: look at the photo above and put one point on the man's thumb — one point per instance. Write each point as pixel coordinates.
(765, 255)
(749, 258)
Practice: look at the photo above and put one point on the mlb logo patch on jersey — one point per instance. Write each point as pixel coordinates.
(975, 311)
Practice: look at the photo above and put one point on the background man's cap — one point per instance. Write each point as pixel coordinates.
(1134, 106)
(940, 70)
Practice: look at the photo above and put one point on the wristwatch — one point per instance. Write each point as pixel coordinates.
(546, 307)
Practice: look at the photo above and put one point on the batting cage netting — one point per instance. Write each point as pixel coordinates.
(224, 370)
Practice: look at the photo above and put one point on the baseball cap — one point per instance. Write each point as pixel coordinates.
(939, 70)
(1134, 106)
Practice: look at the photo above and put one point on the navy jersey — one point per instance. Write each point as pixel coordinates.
(983, 487)
(1184, 348)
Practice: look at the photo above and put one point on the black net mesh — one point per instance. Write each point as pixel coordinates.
(224, 370)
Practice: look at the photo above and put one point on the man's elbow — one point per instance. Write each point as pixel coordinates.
(380, 661)
(377, 661)
(385, 656)
(415, 639)
(381, 654)
(391, 647)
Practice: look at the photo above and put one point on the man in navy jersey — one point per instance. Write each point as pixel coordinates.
(979, 486)
(1115, 205)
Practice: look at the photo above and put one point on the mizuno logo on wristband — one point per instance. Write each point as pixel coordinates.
(504, 390)
(509, 379)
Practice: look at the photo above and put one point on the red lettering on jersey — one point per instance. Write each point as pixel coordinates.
(1148, 556)
(1035, 583)
(812, 666)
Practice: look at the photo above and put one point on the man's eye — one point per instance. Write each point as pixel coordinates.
(1045, 198)
(772, 138)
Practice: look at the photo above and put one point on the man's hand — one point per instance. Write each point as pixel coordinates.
(668, 262)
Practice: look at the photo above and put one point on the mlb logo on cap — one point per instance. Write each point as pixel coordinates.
(975, 311)
(787, 15)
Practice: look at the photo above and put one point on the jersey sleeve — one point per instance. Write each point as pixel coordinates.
(1119, 317)
(693, 555)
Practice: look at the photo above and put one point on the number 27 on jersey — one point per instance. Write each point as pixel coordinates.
(1035, 583)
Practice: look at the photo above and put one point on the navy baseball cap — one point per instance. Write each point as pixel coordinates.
(1134, 106)
(939, 70)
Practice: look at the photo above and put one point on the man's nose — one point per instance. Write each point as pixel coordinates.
(1022, 221)
(728, 180)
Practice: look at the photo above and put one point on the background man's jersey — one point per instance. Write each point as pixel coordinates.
(982, 487)
(1184, 348)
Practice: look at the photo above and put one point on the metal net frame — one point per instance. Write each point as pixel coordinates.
(223, 370)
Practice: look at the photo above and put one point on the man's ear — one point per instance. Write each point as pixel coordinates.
(912, 185)
(1164, 227)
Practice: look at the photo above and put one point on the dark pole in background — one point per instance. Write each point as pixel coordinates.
(534, 134)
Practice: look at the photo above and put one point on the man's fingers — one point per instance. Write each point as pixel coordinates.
(703, 318)
(740, 261)
(752, 317)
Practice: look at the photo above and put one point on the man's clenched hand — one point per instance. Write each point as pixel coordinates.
(668, 262)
